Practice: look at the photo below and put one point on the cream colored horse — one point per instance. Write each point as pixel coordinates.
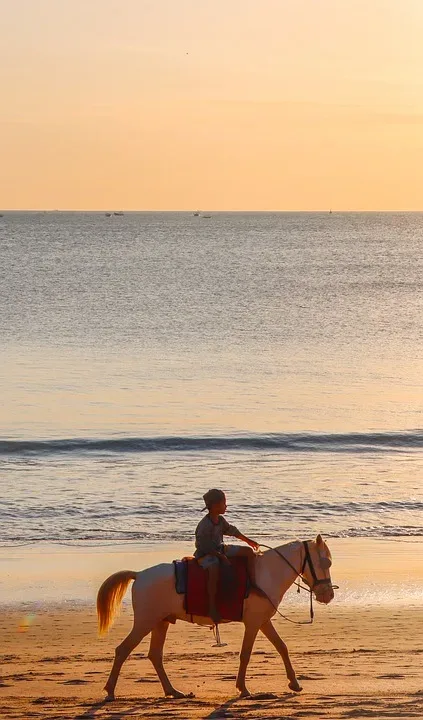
(156, 603)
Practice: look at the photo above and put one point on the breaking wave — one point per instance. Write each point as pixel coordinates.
(276, 442)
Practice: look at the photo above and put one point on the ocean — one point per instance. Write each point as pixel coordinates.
(148, 357)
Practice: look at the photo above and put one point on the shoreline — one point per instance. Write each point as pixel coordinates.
(369, 571)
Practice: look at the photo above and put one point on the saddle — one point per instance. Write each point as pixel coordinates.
(233, 587)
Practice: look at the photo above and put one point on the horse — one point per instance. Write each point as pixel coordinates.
(156, 603)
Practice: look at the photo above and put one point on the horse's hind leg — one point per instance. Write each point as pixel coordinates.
(155, 654)
(269, 631)
(121, 653)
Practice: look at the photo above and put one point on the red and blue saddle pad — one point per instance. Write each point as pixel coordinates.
(233, 587)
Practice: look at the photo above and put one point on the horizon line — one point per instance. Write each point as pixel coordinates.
(208, 210)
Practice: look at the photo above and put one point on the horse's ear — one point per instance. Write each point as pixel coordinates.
(319, 540)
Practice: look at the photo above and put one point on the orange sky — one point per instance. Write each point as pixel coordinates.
(230, 104)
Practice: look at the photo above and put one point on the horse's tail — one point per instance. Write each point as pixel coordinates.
(110, 596)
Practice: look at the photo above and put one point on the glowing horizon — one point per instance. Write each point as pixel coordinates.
(176, 105)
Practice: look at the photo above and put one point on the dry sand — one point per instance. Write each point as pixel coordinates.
(353, 663)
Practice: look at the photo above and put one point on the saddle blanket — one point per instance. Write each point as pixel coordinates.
(233, 587)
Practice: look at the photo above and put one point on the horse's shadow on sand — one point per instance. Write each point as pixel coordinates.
(126, 708)
(221, 711)
(255, 702)
(119, 713)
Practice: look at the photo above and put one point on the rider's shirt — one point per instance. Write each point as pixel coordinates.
(209, 535)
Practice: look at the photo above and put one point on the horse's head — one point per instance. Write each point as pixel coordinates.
(316, 569)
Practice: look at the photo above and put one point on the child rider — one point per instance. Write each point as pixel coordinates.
(210, 550)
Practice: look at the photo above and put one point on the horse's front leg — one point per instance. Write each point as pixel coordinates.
(269, 631)
(155, 654)
(250, 635)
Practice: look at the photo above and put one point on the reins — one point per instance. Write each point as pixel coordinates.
(305, 586)
(299, 586)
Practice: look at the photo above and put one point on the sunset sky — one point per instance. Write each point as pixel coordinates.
(230, 104)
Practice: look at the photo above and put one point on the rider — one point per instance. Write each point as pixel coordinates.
(209, 547)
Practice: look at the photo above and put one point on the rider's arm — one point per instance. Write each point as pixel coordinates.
(251, 543)
(232, 530)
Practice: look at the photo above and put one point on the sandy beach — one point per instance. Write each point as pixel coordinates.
(351, 665)
(358, 660)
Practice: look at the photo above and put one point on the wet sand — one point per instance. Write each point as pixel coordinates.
(354, 662)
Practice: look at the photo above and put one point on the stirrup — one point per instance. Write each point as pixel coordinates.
(218, 642)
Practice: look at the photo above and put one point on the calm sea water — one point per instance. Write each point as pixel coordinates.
(148, 357)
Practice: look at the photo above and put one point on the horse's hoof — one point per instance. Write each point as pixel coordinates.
(295, 686)
(109, 698)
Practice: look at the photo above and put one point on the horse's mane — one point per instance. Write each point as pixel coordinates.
(327, 549)
(294, 542)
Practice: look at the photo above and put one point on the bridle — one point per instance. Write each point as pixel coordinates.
(306, 585)
(308, 561)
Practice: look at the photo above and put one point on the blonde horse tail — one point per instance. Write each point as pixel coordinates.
(110, 596)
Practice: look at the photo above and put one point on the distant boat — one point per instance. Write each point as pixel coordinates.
(108, 214)
(118, 214)
(206, 217)
(1, 215)
(330, 212)
(196, 214)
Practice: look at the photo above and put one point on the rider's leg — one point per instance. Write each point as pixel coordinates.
(212, 580)
(248, 553)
